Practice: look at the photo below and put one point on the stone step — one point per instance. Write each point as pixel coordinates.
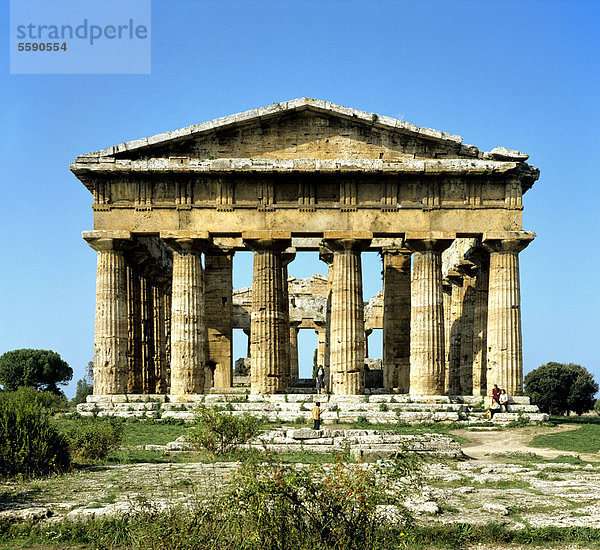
(384, 409)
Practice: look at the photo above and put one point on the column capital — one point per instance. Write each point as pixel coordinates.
(340, 241)
(187, 242)
(467, 268)
(288, 256)
(423, 241)
(326, 254)
(220, 251)
(507, 241)
(274, 241)
(395, 251)
(102, 241)
(479, 256)
(454, 278)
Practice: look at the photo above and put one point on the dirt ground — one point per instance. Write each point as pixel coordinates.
(491, 445)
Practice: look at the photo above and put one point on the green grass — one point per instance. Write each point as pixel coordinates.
(121, 533)
(142, 432)
(585, 439)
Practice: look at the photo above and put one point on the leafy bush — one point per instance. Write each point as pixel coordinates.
(597, 406)
(329, 506)
(30, 445)
(559, 388)
(49, 401)
(220, 432)
(93, 440)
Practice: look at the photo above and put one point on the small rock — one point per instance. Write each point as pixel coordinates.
(497, 509)
(26, 514)
(428, 507)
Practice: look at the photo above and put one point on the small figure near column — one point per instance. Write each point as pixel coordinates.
(316, 415)
(320, 379)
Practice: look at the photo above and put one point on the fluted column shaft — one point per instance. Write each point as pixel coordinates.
(287, 257)
(447, 304)
(481, 259)
(158, 310)
(427, 362)
(167, 311)
(134, 351)
(147, 336)
(269, 324)
(456, 332)
(467, 327)
(111, 324)
(218, 307)
(294, 366)
(504, 340)
(396, 319)
(187, 318)
(325, 255)
(347, 318)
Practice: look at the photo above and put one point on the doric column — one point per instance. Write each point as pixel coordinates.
(111, 334)
(294, 367)
(504, 340)
(188, 332)
(134, 348)
(167, 311)
(218, 314)
(396, 318)
(321, 330)
(468, 270)
(248, 343)
(160, 355)
(269, 328)
(455, 337)
(286, 258)
(427, 316)
(347, 313)
(447, 302)
(147, 336)
(481, 259)
(326, 255)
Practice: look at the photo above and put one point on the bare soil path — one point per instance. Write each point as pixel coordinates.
(494, 445)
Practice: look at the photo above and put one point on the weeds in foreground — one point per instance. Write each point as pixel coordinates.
(266, 505)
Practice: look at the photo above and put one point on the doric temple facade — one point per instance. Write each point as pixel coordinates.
(171, 210)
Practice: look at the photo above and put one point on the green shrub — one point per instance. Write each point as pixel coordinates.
(49, 401)
(30, 444)
(331, 506)
(93, 440)
(220, 432)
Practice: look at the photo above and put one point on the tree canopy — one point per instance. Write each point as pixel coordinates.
(38, 368)
(558, 388)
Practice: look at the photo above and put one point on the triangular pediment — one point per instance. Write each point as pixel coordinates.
(301, 128)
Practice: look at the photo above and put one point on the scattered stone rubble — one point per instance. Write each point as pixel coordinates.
(358, 444)
(476, 492)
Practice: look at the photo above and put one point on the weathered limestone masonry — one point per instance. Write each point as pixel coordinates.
(306, 175)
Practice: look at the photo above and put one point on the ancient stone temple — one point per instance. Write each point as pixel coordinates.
(171, 210)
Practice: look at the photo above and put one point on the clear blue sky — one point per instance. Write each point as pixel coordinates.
(523, 75)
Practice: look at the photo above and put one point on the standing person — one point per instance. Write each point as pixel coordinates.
(503, 400)
(316, 415)
(320, 379)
